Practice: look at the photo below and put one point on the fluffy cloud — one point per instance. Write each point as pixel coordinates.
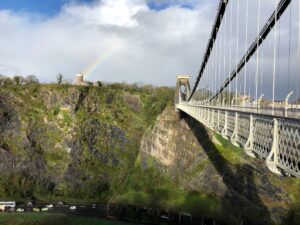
(107, 12)
(112, 40)
(138, 41)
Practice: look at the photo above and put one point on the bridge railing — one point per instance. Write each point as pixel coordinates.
(271, 138)
(287, 111)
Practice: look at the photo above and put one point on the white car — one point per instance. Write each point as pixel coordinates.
(44, 209)
(36, 210)
(49, 206)
(20, 210)
(73, 207)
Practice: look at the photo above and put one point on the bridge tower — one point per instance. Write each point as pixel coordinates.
(182, 90)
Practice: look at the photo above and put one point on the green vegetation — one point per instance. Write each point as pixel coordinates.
(231, 153)
(234, 156)
(76, 142)
(52, 219)
(152, 188)
(81, 144)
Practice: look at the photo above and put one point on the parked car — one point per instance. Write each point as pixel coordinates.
(20, 210)
(73, 207)
(36, 210)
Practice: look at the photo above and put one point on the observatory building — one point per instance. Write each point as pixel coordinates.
(79, 79)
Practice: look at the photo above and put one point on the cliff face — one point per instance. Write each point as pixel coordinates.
(104, 144)
(197, 160)
(177, 152)
(70, 142)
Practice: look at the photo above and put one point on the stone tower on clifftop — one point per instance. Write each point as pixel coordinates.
(79, 79)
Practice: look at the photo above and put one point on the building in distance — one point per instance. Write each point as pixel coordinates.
(79, 79)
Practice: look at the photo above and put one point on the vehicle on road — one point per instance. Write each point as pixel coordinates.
(7, 206)
(73, 207)
(50, 206)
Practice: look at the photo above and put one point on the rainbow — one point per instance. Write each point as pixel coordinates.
(104, 55)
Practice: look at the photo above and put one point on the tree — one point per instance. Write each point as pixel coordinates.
(99, 83)
(1, 80)
(32, 79)
(5, 81)
(60, 78)
(18, 80)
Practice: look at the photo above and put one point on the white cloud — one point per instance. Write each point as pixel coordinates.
(125, 40)
(107, 12)
(130, 41)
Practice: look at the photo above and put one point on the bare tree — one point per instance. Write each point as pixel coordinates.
(60, 78)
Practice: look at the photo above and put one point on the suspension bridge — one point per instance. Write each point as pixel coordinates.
(247, 88)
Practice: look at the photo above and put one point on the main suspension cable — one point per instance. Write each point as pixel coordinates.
(214, 34)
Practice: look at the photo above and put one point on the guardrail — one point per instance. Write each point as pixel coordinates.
(275, 139)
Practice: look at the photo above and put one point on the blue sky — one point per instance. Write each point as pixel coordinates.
(160, 5)
(53, 7)
(44, 7)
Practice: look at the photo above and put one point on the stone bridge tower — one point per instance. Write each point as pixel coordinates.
(182, 90)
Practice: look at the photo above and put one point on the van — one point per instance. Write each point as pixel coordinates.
(7, 205)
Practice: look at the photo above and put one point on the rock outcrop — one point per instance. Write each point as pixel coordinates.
(198, 160)
(68, 141)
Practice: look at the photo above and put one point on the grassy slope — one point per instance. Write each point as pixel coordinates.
(234, 155)
(51, 219)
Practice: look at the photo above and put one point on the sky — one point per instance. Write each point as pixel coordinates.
(148, 41)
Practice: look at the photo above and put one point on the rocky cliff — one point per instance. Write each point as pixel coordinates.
(204, 174)
(115, 144)
(72, 142)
